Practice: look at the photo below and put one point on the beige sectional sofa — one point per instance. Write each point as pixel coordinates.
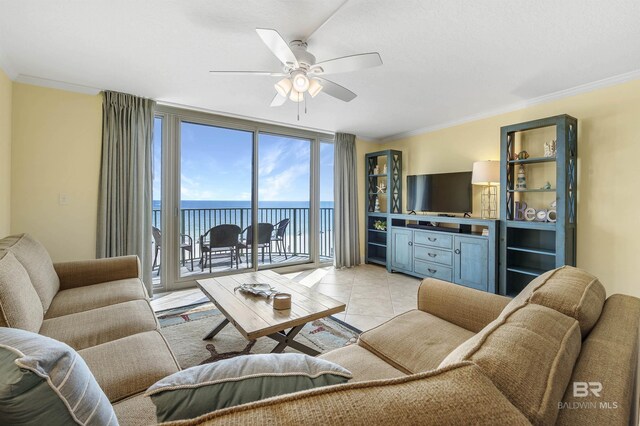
(462, 357)
(98, 307)
(469, 357)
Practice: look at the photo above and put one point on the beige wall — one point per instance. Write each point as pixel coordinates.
(5, 154)
(57, 138)
(608, 164)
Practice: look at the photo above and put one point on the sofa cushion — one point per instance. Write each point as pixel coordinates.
(529, 355)
(43, 381)
(457, 395)
(128, 366)
(363, 364)
(609, 356)
(94, 296)
(568, 290)
(36, 260)
(20, 305)
(89, 328)
(204, 388)
(136, 410)
(414, 341)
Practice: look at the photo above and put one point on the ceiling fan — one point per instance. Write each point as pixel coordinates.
(302, 74)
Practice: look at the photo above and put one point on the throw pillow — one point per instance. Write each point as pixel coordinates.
(36, 260)
(43, 381)
(20, 306)
(205, 388)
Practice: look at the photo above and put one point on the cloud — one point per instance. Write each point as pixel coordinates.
(279, 187)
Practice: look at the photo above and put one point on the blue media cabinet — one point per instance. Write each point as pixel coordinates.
(443, 252)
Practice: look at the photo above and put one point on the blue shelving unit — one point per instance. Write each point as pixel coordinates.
(530, 248)
(389, 201)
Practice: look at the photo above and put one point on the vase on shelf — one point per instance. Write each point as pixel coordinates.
(376, 206)
(521, 180)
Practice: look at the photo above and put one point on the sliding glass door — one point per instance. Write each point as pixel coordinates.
(325, 222)
(238, 196)
(284, 199)
(215, 198)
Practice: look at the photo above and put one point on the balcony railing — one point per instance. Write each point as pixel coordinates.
(195, 222)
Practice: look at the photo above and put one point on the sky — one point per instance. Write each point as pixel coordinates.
(216, 165)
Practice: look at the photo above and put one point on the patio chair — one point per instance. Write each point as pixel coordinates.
(221, 238)
(186, 244)
(264, 239)
(280, 229)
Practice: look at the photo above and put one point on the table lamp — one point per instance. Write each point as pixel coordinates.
(487, 173)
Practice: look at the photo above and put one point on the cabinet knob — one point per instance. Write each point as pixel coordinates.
(410, 243)
(432, 254)
(433, 271)
(457, 251)
(431, 239)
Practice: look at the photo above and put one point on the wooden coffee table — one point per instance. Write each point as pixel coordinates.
(255, 317)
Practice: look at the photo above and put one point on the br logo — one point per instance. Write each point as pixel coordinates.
(583, 389)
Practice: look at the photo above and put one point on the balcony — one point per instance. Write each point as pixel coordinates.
(196, 222)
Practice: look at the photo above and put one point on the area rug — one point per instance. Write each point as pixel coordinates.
(185, 327)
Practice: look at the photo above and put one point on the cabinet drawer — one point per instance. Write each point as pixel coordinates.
(433, 270)
(433, 255)
(433, 239)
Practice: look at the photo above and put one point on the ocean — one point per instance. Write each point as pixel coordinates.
(205, 204)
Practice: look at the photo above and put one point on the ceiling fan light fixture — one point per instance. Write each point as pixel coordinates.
(283, 87)
(296, 96)
(314, 87)
(300, 81)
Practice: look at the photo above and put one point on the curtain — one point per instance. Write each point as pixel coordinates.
(347, 240)
(124, 205)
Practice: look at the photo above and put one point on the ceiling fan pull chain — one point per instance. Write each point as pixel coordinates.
(298, 111)
(305, 103)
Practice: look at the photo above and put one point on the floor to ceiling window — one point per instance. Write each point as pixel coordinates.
(325, 241)
(284, 199)
(238, 196)
(215, 198)
(156, 196)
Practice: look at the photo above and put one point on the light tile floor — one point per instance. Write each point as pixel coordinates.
(372, 294)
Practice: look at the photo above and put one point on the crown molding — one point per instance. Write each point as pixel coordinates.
(561, 94)
(6, 66)
(57, 84)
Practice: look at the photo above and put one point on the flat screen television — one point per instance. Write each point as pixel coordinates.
(441, 192)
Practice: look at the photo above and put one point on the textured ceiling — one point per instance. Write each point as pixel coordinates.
(443, 60)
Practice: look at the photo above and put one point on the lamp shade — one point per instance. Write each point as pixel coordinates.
(314, 88)
(296, 96)
(283, 87)
(300, 81)
(486, 173)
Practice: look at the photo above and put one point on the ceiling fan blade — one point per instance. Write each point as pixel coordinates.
(270, 73)
(335, 90)
(348, 63)
(278, 100)
(278, 46)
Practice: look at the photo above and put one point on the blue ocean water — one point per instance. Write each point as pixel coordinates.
(207, 204)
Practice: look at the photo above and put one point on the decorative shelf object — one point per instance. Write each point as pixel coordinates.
(528, 248)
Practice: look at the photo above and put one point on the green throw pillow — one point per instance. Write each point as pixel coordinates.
(45, 382)
(199, 390)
